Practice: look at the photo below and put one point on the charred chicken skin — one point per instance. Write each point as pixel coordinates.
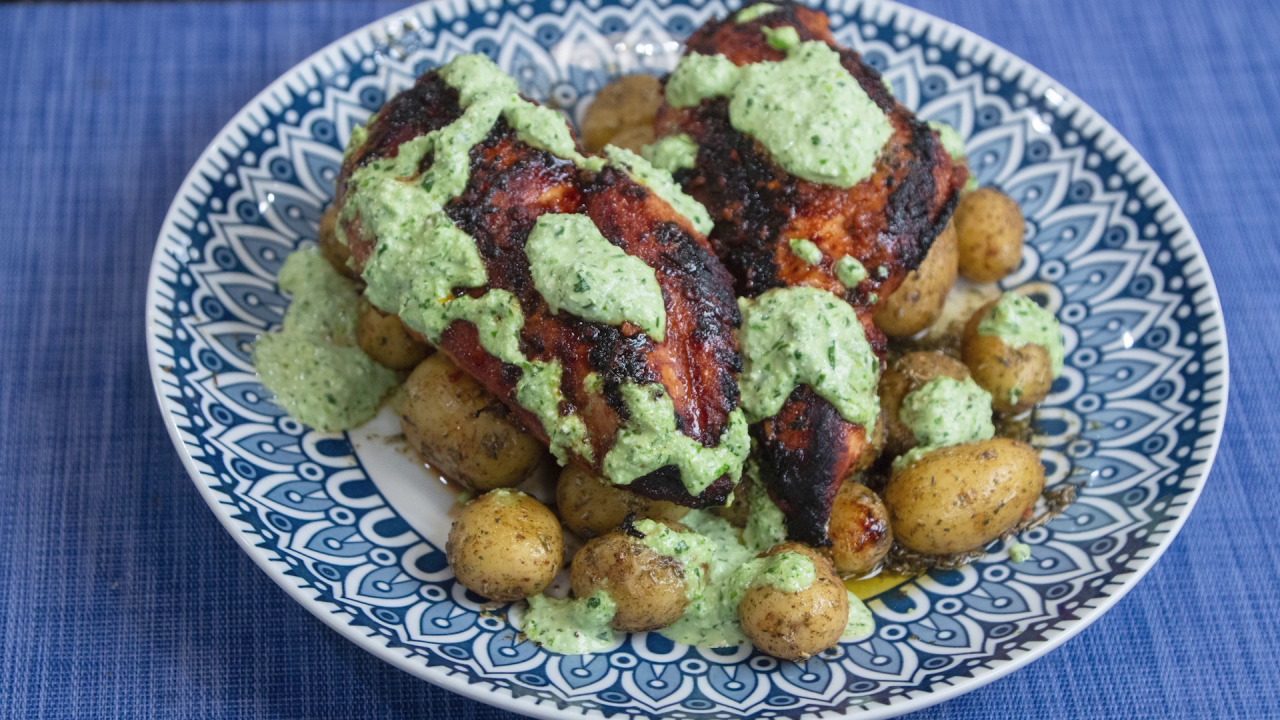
(510, 185)
(887, 222)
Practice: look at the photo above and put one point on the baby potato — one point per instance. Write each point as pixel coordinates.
(333, 249)
(918, 302)
(859, 530)
(794, 626)
(1017, 378)
(908, 374)
(959, 498)
(386, 340)
(648, 588)
(630, 101)
(591, 507)
(505, 546)
(990, 231)
(461, 429)
(633, 138)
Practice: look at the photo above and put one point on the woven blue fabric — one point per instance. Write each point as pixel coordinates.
(121, 595)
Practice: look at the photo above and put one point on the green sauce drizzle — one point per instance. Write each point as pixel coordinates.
(766, 525)
(783, 38)
(649, 440)
(861, 624)
(660, 182)
(672, 153)
(569, 626)
(1019, 321)
(1019, 552)
(577, 269)
(800, 335)
(746, 15)
(944, 412)
(313, 365)
(805, 250)
(850, 271)
(807, 110)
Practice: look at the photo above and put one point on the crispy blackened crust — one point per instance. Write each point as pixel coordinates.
(510, 186)
(887, 222)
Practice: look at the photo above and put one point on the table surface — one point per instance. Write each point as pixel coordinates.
(122, 596)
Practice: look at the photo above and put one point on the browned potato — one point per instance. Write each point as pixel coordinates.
(918, 302)
(908, 374)
(633, 138)
(794, 626)
(591, 507)
(859, 530)
(505, 546)
(990, 230)
(333, 249)
(461, 429)
(386, 340)
(630, 101)
(959, 498)
(1017, 378)
(648, 588)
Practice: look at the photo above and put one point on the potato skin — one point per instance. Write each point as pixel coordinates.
(860, 531)
(959, 498)
(918, 302)
(505, 546)
(794, 626)
(648, 588)
(628, 102)
(461, 429)
(633, 138)
(1002, 370)
(989, 230)
(908, 374)
(333, 249)
(386, 340)
(591, 507)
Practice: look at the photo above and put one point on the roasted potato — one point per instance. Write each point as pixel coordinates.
(333, 249)
(648, 588)
(908, 374)
(628, 102)
(591, 507)
(461, 429)
(1017, 378)
(918, 302)
(989, 230)
(859, 530)
(959, 498)
(505, 546)
(633, 138)
(794, 626)
(386, 340)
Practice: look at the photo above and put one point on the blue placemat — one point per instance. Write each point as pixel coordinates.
(121, 596)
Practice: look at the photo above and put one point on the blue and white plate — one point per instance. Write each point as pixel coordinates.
(355, 530)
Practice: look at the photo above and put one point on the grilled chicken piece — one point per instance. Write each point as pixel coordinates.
(511, 184)
(887, 222)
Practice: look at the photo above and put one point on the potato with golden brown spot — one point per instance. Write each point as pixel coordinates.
(648, 588)
(505, 546)
(960, 498)
(908, 374)
(386, 340)
(633, 138)
(333, 249)
(796, 625)
(628, 102)
(1017, 378)
(591, 507)
(989, 231)
(919, 300)
(860, 531)
(462, 430)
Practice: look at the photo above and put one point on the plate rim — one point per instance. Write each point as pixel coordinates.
(912, 20)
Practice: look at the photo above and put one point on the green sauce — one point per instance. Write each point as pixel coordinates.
(766, 525)
(954, 145)
(805, 250)
(849, 271)
(577, 269)
(649, 440)
(807, 110)
(1019, 552)
(660, 182)
(945, 412)
(569, 626)
(861, 624)
(313, 365)
(800, 335)
(1019, 321)
(783, 38)
(746, 15)
(672, 153)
